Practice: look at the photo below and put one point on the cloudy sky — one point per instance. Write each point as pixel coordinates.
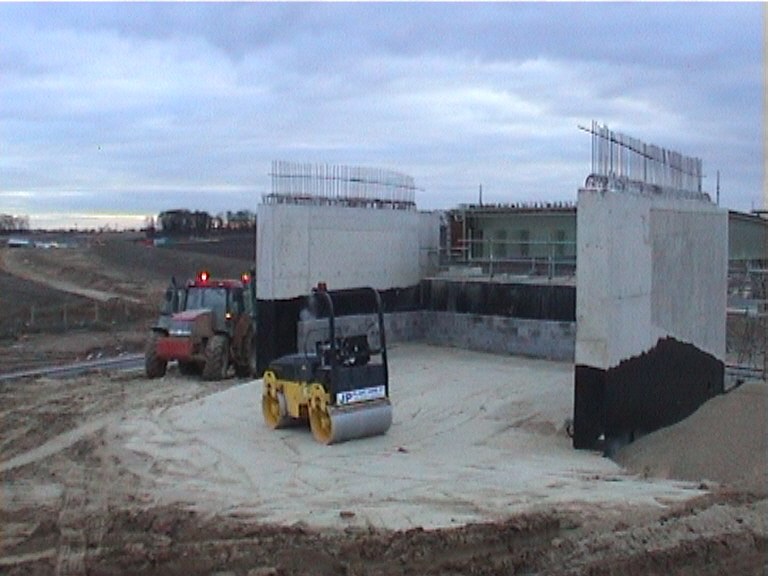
(127, 108)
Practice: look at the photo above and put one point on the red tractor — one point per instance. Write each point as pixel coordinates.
(206, 326)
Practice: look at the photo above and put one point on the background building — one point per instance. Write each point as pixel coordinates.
(540, 239)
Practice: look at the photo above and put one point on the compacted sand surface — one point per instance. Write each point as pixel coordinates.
(116, 474)
(475, 437)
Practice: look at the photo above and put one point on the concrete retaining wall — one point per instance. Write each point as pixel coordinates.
(299, 246)
(499, 335)
(392, 250)
(494, 334)
(398, 326)
(302, 245)
(505, 299)
(650, 311)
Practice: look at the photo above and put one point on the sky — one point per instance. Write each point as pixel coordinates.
(122, 110)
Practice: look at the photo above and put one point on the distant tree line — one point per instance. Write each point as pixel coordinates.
(182, 222)
(14, 223)
(240, 220)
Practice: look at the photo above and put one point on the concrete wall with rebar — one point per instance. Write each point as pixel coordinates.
(301, 245)
(650, 311)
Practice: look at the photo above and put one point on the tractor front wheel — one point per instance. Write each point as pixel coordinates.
(216, 358)
(154, 366)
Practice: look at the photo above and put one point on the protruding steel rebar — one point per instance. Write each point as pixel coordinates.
(618, 156)
(298, 183)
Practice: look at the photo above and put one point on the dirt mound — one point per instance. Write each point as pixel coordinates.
(724, 441)
(704, 538)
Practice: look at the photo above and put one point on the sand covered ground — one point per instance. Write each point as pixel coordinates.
(724, 441)
(110, 473)
(475, 437)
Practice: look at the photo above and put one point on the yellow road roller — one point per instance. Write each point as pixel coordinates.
(341, 384)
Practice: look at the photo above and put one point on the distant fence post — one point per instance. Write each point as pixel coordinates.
(551, 262)
(490, 257)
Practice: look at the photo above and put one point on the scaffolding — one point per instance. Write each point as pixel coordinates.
(747, 323)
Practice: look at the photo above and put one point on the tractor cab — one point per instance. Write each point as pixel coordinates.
(174, 296)
(225, 299)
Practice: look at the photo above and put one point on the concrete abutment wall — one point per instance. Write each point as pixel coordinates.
(390, 250)
(650, 312)
(300, 246)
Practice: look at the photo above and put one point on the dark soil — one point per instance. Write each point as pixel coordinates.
(34, 316)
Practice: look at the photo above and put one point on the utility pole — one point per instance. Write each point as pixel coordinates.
(481, 194)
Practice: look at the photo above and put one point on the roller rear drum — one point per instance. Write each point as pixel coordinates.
(275, 411)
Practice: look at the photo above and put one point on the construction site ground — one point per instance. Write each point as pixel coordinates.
(110, 473)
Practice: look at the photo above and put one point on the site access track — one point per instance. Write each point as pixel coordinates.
(14, 263)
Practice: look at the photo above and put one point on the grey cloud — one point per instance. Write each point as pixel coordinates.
(661, 34)
(153, 102)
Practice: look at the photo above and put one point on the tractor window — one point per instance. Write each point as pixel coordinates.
(237, 302)
(214, 299)
(247, 304)
(168, 304)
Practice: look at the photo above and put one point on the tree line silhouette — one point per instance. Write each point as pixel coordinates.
(183, 222)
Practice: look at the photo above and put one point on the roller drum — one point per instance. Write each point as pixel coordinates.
(351, 422)
(275, 411)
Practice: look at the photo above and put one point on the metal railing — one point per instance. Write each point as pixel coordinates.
(747, 322)
(493, 258)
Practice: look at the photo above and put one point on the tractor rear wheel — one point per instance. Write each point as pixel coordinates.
(154, 366)
(216, 358)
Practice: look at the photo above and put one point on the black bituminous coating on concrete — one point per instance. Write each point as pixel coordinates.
(276, 329)
(277, 319)
(532, 301)
(588, 407)
(655, 389)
